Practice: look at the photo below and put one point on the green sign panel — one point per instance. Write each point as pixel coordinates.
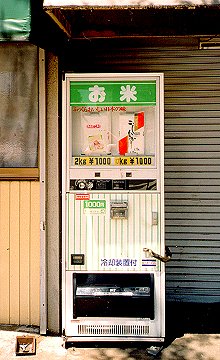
(91, 207)
(109, 93)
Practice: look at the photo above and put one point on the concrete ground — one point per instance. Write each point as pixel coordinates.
(192, 333)
(187, 347)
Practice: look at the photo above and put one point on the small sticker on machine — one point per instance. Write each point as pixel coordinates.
(82, 196)
(92, 207)
(148, 262)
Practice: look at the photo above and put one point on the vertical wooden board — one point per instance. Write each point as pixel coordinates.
(35, 254)
(14, 202)
(4, 252)
(25, 219)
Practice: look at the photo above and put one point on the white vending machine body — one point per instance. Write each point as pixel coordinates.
(113, 288)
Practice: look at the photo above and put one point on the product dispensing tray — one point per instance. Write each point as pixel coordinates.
(113, 295)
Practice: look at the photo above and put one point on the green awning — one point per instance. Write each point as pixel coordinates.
(15, 20)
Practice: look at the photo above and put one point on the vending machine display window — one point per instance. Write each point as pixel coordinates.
(116, 121)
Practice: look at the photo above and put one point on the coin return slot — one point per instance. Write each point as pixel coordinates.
(119, 210)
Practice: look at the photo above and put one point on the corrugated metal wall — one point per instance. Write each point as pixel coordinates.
(192, 159)
(19, 252)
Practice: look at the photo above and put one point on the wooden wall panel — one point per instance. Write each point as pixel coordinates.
(14, 260)
(4, 252)
(19, 252)
(35, 254)
(25, 224)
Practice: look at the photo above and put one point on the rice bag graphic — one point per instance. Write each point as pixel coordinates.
(131, 134)
(95, 134)
(96, 142)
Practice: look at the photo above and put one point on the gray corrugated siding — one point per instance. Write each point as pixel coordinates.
(192, 161)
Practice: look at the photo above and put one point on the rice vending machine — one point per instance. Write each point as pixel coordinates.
(113, 207)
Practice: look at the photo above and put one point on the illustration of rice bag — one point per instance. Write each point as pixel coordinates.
(131, 134)
(95, 133)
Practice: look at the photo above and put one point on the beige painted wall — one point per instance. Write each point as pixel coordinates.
(19, 252)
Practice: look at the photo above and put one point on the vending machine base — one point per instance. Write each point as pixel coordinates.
(106, 330)
(111, 307)
(112, 330)
(112, 339)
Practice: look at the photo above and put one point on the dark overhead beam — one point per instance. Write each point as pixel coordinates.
(151, 21)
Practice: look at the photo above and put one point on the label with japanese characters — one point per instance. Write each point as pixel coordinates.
(118, 262)
(117, 93)
(92, 207)
(113, 161)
